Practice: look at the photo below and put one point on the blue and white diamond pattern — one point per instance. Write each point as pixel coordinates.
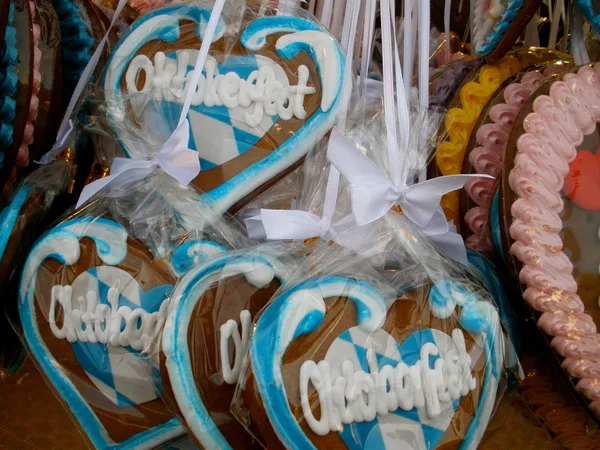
(399, 429)
(122, 374)
(217, 133)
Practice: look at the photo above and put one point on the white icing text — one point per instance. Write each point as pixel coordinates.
(358, 396)
(230, 333)
(88, 320)
(262, 93)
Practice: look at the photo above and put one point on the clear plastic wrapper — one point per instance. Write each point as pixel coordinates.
(408, 357)
(269, 91)
(206, 336)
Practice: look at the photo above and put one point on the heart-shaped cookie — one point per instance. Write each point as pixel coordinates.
(347, 371)
(548, 237)
(92, 304)
(206, 338)
(267, 94)
(582, 183)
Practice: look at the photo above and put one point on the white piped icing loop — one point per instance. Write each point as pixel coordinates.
(229, 332)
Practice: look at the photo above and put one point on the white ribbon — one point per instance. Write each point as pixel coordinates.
(174, 158)
(66, 126)
(373, 194)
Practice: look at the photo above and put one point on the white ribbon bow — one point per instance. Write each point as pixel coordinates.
(174, 157)
(373, 194)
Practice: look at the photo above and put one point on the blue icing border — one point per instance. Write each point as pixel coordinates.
(224, 196)
(111, 252)
(9, 216)
(493, 38)
(587, 8)
(272, 331)
(76, 42)
(187, 293)
(495, 227)
(8, 84)
(182, 261)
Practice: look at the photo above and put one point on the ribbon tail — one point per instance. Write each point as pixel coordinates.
(451, 245)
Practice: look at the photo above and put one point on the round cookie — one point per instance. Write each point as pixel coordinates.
(350, 369)
(464, 110)
(92, 302)
(551, 222)
(486, 148)
(497, 24)
(266, 96)
(205, 340)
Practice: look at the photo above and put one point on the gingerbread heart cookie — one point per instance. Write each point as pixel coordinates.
(350, 369)
(551, 224)
(206, 338)
(267, 94)
(92, 304)
(497, 24)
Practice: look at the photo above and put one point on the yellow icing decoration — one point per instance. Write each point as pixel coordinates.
(459, 121)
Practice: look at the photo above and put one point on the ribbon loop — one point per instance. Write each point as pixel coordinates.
(373, 194)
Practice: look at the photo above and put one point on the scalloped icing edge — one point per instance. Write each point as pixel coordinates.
(8, 68)
(564, 319)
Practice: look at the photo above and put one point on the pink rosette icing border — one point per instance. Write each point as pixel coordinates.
(549, 143)
(488, 155)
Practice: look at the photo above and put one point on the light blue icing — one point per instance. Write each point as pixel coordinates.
(477, 317)
(167, 31)
(9, 215)
(191, 253)
(224, 196)
(188, 292)
(587, 8)
(255, 35)
(502, 26)
(289, 315)
(495, 226)
(62, 243)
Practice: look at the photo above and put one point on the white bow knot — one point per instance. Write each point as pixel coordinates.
(174, 157)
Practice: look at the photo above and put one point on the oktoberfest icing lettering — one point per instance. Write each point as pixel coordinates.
(229, 333)
(85, 319)
(265, 91)
(358, 396)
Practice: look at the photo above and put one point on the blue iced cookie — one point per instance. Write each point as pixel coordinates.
(347, 368)
(92, 303)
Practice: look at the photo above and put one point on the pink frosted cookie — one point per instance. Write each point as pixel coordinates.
(550, 218)
(488, 146)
